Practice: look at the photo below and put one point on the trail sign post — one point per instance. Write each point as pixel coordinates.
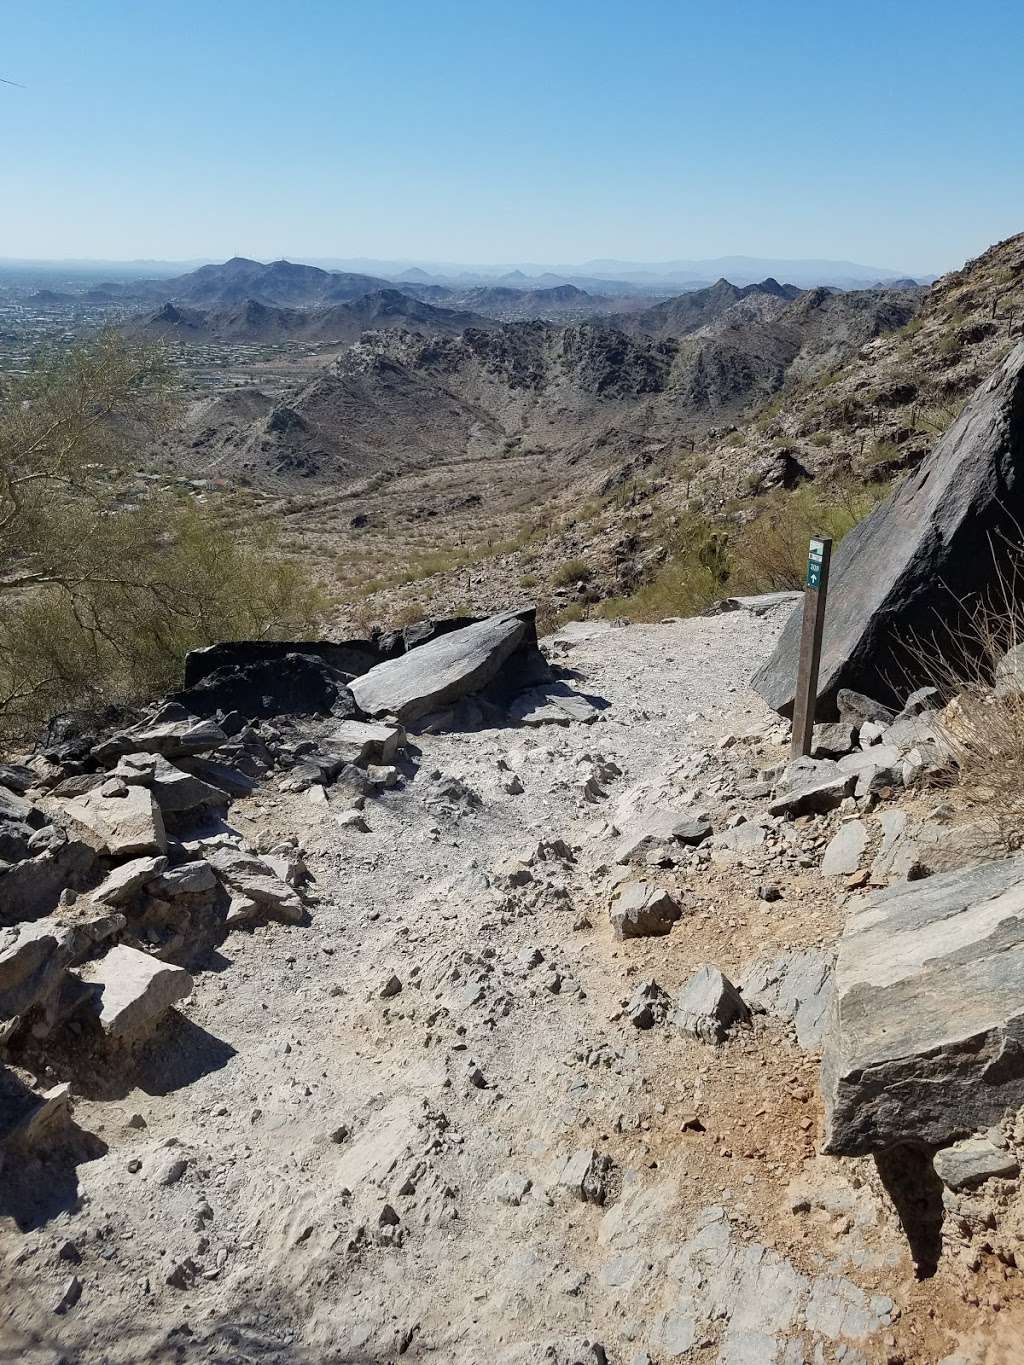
(819, 556)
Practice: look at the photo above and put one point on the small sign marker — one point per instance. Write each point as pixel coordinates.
(815, 592)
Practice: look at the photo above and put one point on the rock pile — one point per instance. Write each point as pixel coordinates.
(118, 868)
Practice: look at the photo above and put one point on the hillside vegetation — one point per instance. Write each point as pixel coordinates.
(102, 596)
(813, 456)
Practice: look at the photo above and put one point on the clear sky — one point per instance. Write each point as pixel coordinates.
(542, 130)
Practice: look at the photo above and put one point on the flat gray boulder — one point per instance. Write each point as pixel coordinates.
(442, 671)
(128, 880)
(641, 910)
(644, 834)
(759, 605)
(794, 985)
(176, 792)
(902, 571)
(924, 1039)
(247, 877)
(708, 1005)
(174, 735)
(971, 1162)
(815, 796)
(120, 820)
(132, 990)
(552, 704)
(845, 849)
(34, 959)
(362, 742)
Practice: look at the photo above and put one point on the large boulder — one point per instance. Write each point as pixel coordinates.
(925, 1038)
(34, 959)
(32, 887)
(176, 792)
(352, 656)
(248, 878)
(119, 820)
(903, 570)
(132, 990)
(452, 666)
(362, 742)
(172, 732)
(641, 910)
(292, 684)
(19, 821)
(659, 834)
(792, 984)
(709, 1005)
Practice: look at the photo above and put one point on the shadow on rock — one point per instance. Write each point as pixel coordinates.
(178, 1053)
(916, 1192)
(41, 1182)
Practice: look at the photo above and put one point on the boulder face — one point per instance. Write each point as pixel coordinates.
(902, 571)
(294, 684)
(352, 656)
(925, 1039)
(449, 667)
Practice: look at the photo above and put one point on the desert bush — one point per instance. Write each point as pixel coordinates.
(692, 577)
(99, 601)
(407, 614)
(176, 580)
(881, 452)
(770, 553)
(572, 571)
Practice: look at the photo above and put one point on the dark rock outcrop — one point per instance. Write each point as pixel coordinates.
(903, 572)
(350, 656)
(292, 684)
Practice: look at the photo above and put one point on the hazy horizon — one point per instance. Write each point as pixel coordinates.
(541, 134)
(425, 262)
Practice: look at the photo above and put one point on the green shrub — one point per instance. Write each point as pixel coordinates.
(100, 601)
(177, 579)
(690, 579)
(572, 571)
(770, 553)
(881, 452)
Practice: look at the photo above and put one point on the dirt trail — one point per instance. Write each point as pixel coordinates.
(422, 1127)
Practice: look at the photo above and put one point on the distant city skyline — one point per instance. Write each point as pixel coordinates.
(560, 134)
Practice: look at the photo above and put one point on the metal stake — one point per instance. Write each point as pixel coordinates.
(819, 557)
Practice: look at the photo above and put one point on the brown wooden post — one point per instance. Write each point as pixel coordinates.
(819, 557)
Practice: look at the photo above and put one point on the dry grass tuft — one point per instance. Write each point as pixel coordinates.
(977, 664)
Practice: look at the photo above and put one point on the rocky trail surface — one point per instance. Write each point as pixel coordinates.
(480, 1102)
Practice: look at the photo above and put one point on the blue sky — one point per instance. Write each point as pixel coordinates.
(891, 134)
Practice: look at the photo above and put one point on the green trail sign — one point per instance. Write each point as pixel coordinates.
(819, 555)
(815, 559)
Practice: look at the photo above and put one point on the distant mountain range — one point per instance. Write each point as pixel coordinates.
(252, 321)
(625, 276)
(606, 276)
(595, 389)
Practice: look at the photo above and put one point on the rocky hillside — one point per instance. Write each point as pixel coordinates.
(864, 402)
(252, 321)
(280, 284)
(878, 411)
(588, 392)
(688, 312)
